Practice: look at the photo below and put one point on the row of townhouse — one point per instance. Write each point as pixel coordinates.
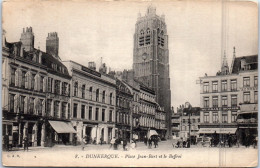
(59, 102)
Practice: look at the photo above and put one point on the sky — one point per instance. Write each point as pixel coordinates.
(89, 30)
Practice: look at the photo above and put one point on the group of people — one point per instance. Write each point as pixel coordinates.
(7, 144)
(115, 142)
(150, 141)
(181, 143)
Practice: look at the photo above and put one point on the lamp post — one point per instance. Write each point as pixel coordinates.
(188, 109)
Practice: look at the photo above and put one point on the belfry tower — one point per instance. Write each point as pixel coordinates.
(151, 58)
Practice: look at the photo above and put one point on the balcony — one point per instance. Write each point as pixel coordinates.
(249, 108)
(247, 121)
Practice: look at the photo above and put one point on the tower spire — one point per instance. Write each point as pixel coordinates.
(224, 67)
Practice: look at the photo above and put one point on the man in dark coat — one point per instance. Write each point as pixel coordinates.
(26, 143)
(124, 143)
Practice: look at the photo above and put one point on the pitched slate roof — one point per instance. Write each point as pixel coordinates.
(252, 60)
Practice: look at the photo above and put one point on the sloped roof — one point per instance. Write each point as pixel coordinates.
(253, 59)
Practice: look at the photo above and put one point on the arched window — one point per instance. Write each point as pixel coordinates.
(110, 98)
(97, 95)
(83, 91)
(141, 38)
(142, 32)
(90, 93)
(148, 31)
(76, 89)
(103, 96)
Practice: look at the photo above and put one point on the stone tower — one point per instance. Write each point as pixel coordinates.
(52, 44)
(151, 58)
(27, 39)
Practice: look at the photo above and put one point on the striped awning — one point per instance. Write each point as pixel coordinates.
(62, 127)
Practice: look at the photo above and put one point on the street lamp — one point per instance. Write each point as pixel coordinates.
(188, 109)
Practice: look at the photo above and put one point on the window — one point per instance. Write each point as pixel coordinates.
(83, 91)
(141, 38)
(75, 110)
(48, 111)
(224, 117)
(31, 105)
(256, 80)
(103, 114)
(103, 96)
(183, 121)
(234, 100)
(64, 88)
(233, 85)
(206, 102)
(41, 83)
(90, 93)
(110, 115)
(246, 81)
(82, 111)
(206, 117)
(224, 85)
(224, 101)
(63, 110)
(11, 102)
(215, 117)
(57, 87)
(50, 80)
(246, 97)
(33, 81)
(97, 111)
(233, 116)
(69, 116)
(215, 101)
(256, 96)
(110, 98)
(23, 79)
(97, 95)
(56, 108)
(22, 102)
(13, 76)
(215, 86)
(90, 113)
(76, 89)
(40, 107)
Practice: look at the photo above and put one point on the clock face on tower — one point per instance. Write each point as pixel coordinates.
(144, 56)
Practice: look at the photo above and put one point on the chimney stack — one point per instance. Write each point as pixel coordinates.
(52, 44)
(27, 39)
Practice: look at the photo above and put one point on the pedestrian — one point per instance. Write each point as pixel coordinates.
(150, 143)
(145, 140)
(155, 142)
(6, 142)
(26, 143)
(112, 142)
(124, 143)
(101, 140)
(84, 142)
(133, 145)
(229, 140)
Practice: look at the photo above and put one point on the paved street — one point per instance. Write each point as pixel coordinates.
(99, 155)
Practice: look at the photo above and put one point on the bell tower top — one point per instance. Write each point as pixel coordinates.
(151, 10)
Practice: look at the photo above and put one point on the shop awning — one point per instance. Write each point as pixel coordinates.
(217, 130)
(62, 127)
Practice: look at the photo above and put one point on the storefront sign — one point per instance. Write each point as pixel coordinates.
(248, 88)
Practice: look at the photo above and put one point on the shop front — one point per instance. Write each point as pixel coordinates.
(58, 132)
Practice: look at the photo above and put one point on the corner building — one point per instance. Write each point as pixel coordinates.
(151, 58)
(229, 100)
